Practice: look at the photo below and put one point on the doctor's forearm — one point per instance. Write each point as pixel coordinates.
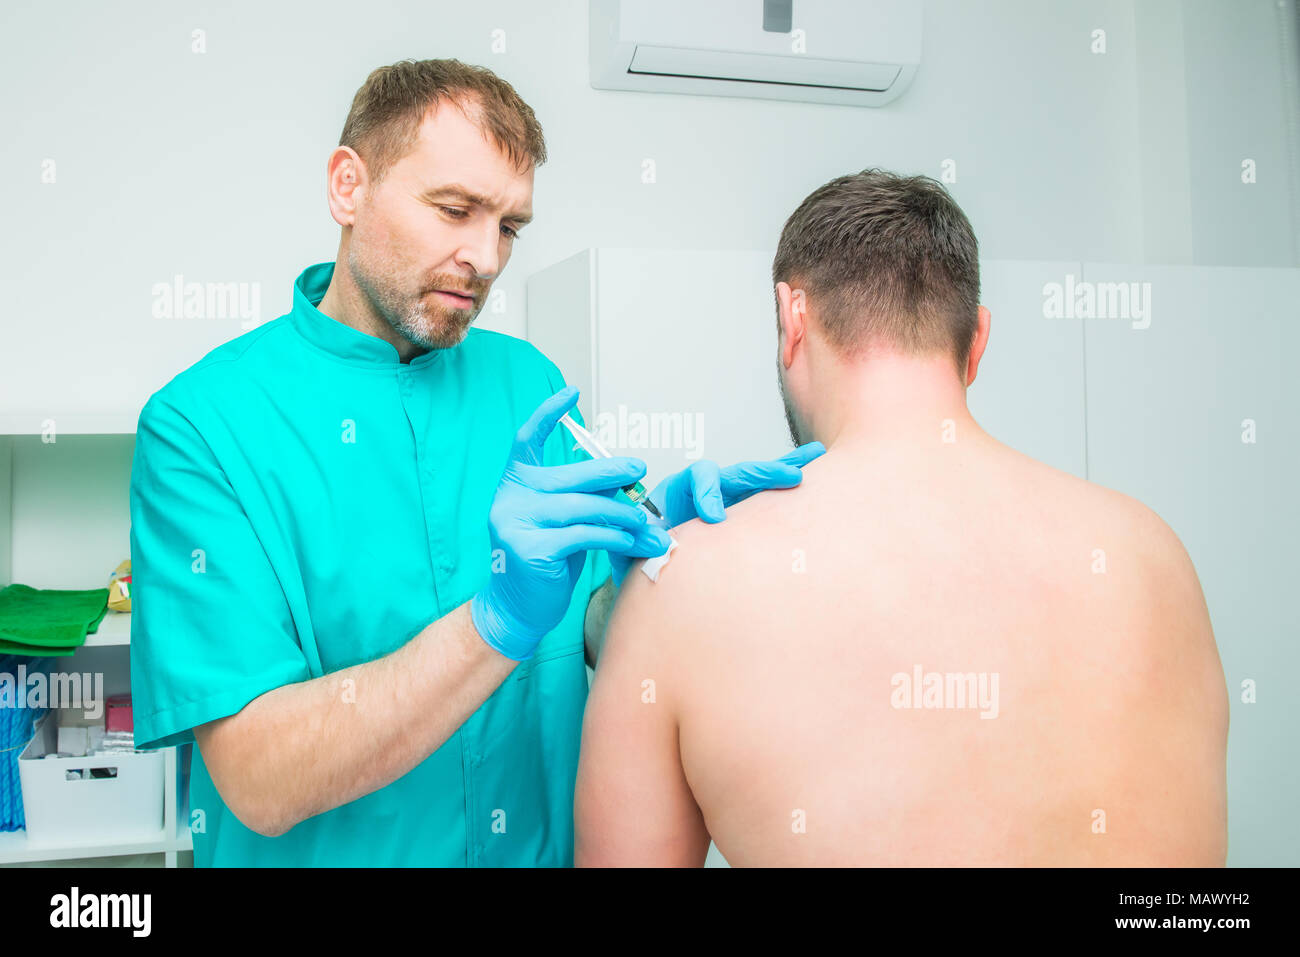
(306, 748)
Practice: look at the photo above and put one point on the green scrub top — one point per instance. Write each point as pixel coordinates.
(301, 502)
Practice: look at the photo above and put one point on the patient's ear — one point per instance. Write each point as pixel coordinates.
(792, 310)
(977, 345)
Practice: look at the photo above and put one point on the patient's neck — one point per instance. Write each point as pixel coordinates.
(892, 401)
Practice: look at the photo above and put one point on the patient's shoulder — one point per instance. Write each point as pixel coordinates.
(1107, 513)
(715, 556)
(1136, 568)
(710, 578)
(697, 565)
(1154, 552)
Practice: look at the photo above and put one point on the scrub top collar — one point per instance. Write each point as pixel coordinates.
(337, 338)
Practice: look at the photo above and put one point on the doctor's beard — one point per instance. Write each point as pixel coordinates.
(421, 317)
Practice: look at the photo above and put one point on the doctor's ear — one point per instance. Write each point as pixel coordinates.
(344, 176)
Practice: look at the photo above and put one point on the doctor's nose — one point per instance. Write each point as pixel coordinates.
(482, 256)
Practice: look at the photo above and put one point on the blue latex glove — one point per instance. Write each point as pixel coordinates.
(704, 491)
(544, 519)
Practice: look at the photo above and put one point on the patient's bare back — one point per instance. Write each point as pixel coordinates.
(939, 656)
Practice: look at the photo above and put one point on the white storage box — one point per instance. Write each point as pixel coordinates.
(107, 810)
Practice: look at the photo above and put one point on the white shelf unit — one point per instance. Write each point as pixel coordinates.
(56, 493)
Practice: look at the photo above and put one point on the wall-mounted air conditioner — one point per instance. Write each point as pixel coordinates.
(854, 52)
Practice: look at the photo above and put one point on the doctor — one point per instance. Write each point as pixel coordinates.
(367, 564)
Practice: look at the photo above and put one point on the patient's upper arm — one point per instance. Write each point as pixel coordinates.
(633, 806)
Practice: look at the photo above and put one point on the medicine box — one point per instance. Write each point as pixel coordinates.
(118, 713)
(79, 733)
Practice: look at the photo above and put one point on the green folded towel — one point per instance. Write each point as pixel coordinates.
(48, 621)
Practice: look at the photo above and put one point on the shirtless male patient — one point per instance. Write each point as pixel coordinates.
(935, 650)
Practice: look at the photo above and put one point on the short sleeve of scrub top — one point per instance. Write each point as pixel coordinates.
(207, 585)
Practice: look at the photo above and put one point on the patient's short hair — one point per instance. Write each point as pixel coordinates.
(885, 259)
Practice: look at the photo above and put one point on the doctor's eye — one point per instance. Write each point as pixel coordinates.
(454, 212)
(509, 231)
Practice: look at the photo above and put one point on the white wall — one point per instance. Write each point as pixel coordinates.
(211, 165)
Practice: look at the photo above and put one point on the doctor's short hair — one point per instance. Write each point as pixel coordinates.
(387, 111)
(885, 260)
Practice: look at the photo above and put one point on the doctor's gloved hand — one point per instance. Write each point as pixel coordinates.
(705, 491)
(542, 521)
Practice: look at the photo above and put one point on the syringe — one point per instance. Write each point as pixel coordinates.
(636, 491)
